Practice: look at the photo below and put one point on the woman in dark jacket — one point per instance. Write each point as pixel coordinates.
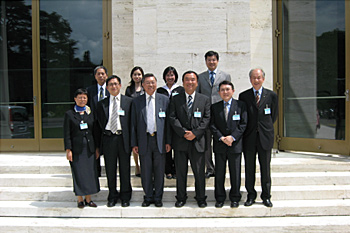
(79, 144)
(170, 89)
(134, 90)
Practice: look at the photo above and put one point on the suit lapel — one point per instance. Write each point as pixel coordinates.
(184, 103)
(217, 79)
(143, 108)
(207, 77)
(263, 98)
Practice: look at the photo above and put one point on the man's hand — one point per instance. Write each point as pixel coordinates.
(167, 148)
(69, 155)
(97, 153)
(228, 140)
(189, 135)
(135, 149)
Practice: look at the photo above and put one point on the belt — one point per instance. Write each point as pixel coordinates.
(109, 133)
(152, 134)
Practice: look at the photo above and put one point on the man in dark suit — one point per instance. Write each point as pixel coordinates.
(208, 84)
(150, 140)
(227, 123)
(189, 116)
(262, 108)
(113, 115)
(96, 93)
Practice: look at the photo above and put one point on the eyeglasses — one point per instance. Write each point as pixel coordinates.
(113, 84)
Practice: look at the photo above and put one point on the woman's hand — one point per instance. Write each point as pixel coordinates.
(69, 155)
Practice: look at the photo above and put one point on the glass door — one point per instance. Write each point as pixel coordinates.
(313, 47)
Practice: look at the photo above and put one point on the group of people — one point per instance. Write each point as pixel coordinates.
(150, 122)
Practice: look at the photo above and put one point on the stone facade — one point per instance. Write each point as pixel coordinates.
(159, 33)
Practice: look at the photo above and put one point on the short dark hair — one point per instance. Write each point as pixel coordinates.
(211, 53)
(100, 67)
(167, 70)
(80, 91)
(147, 76)
(189, 72)
(112, 77)
(225, 82)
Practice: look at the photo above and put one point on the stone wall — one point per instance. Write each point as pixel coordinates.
(159, 33)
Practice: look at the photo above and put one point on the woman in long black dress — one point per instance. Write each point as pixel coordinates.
(134, 90)
(170, 89)
(79, 144)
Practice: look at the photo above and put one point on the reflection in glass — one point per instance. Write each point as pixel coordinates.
(71, 46)
(314, 69)
(16, 75)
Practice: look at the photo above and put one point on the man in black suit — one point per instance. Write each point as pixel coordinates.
(113, 115)
(262, 108)
(227, 123)
(150, 140)
(189, 116)
(208, 83)
(96, 93)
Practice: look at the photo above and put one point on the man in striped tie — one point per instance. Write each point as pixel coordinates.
(189, 116)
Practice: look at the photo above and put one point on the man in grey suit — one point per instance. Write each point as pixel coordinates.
(189, 116)
(113, 115)
(208, 84)
(150, 138)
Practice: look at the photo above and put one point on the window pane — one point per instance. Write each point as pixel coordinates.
(71, 46)
(314, 69)
(16, 75)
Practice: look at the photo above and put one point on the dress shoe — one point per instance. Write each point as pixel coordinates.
(234, 204)
(180, 203)
(138, 175)
(158, 203)
(202, 204)
(145, 203)
(249, 202)
(209, 174)
(125, 203)
(169, 176)
(91, 203)
(174, 176)
(267, 203)
(81, 204)
(111, 203)
(219, 204)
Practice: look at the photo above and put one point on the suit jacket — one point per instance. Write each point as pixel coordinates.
(220, 128)
(93, 97)
(139, 123)
(102, 114)
(258, 121)
(73, 135)
(180, 122)
(205, 87)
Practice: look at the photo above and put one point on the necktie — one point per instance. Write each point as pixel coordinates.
(212, 77)
(101, 94)
(257, 98)
(226, 110)
(150, 116)
(189, 102)
(114, 120)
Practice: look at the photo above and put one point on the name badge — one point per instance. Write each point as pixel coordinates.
(174, 93)
(236, 117)
(197, 114)
(121, 112)
(267, 110)
(161, 114)
(83, 125)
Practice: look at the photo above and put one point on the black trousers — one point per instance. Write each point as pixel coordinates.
(152, 171)
(264, 157)
(169, 163)
(208, 152)
(197, 161)
(234, 166)
(113, 147)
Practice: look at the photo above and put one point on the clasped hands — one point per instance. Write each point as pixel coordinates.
(228, 140)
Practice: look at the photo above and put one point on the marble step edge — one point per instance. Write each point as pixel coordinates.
(255, 225)
(315, 192)
(282, 208)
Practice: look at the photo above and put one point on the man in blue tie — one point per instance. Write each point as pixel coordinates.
(208, 84)
(150, 138)
(227, 123)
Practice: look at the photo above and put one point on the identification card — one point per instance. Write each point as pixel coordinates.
(83, 125)
(121, 112)
(267, 111)
(236, 117)
(174, 93)
(197, 114)
(161, 114)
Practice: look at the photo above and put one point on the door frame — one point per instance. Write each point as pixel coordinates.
(306, 144)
